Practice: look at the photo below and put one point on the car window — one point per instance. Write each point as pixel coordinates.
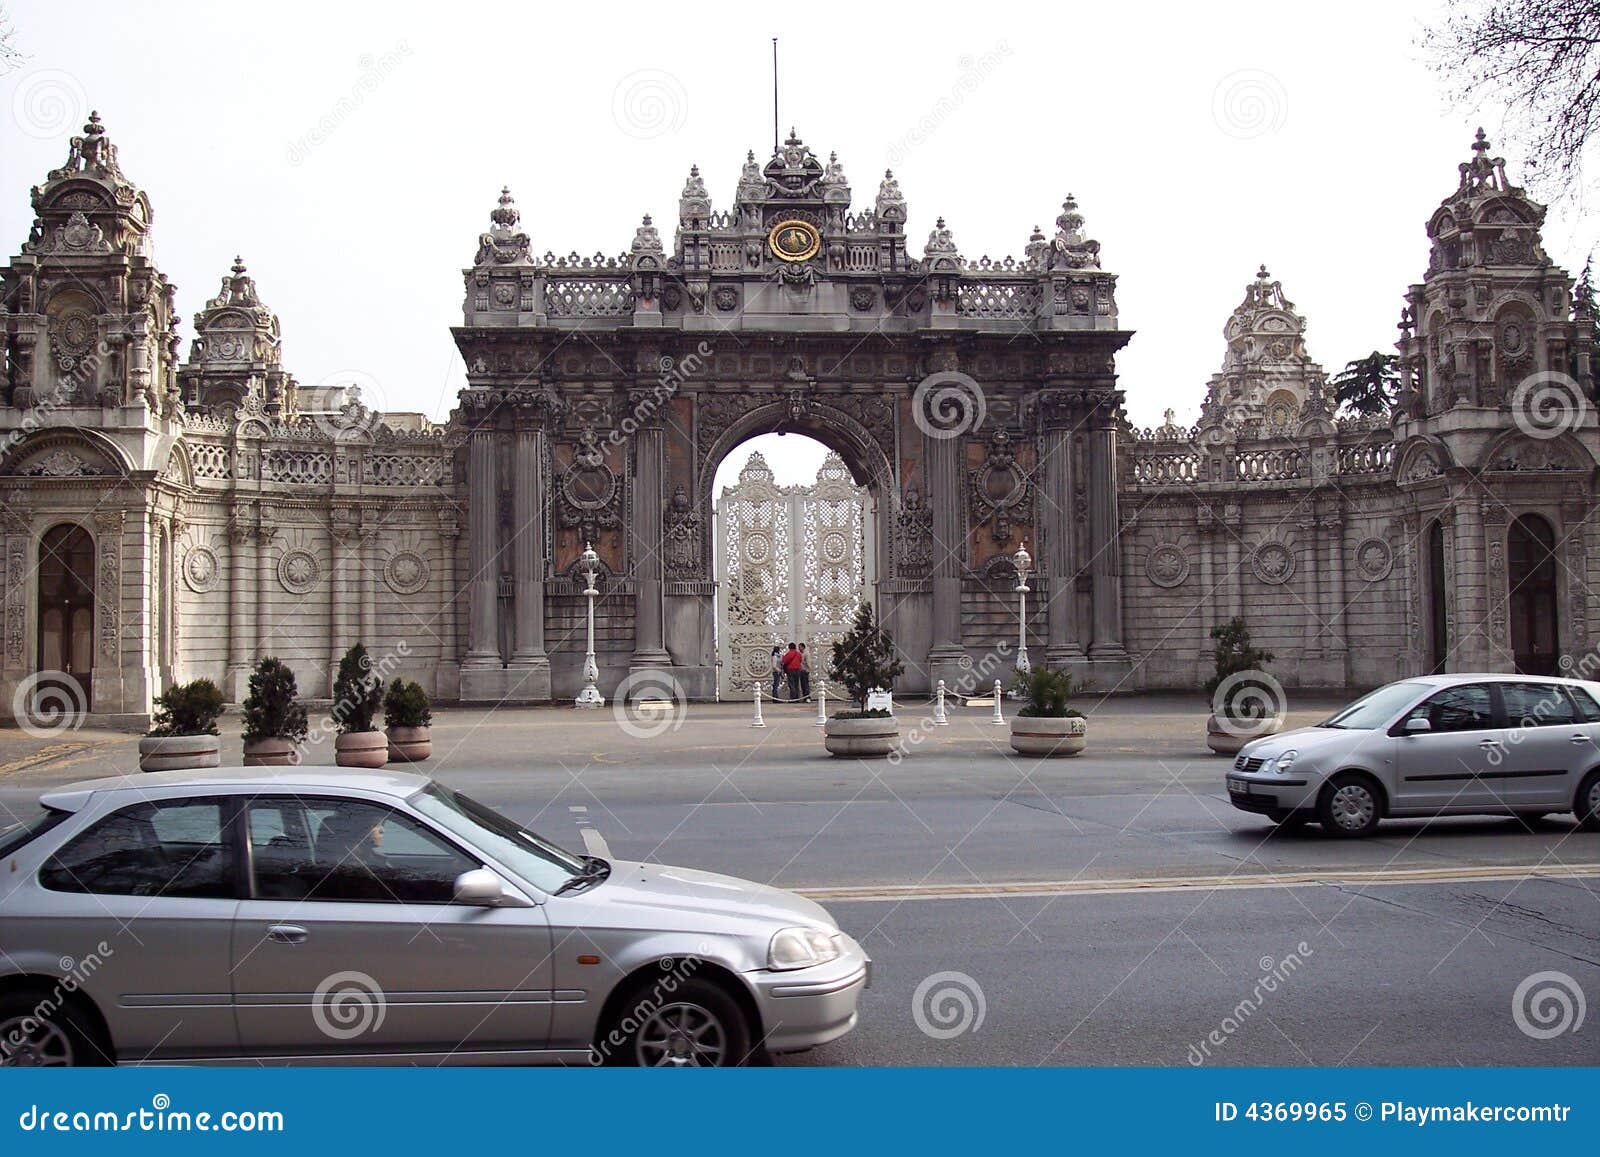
(14, 835)
(1587, 707)
(157, 848)
(1376, 708)
(349, 850)
(1464, 708)
(1538, 705)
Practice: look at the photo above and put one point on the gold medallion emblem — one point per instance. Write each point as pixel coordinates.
(794, 241)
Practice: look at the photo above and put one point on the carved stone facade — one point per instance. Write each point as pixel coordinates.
(235, 515)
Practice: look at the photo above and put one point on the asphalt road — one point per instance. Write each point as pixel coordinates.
(1108, 909)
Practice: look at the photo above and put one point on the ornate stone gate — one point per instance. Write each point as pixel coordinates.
(796, 563)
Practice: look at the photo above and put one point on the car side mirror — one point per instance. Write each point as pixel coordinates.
(1417, 724)
(479, 887)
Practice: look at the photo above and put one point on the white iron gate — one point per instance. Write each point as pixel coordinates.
(795, 566)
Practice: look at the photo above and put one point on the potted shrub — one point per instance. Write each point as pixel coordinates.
(1045, 725)
(274, 719)
(1245, 700)
(407, 722)
(357, 695)
(863, 661)
(183, 731)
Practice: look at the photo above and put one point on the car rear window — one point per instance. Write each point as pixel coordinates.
(1587, 707)
(15, 835)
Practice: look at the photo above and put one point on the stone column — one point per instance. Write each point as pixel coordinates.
(483, 490)
(1063, 645)
(646, 546)
(527, 565)
(1336, 648)
(1309, 566)
(339, 530)
(1104, 566)
(942, 456)
(371, 566)
(241, 602)
(265, 623)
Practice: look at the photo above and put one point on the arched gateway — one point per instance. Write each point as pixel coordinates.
(788, 311)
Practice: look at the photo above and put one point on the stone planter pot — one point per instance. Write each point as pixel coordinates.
(179, 752)
(361, 749)
(1051, 737)
(863, 738)
(409, 744)
(1227, 740)
(271, 753)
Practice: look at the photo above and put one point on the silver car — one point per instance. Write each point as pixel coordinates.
(310, 914)
(1436, 745)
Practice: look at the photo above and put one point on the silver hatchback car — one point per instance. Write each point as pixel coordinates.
(314, 915)
(1436, 745)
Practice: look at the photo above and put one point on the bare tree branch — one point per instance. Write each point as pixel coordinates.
(1540, 59)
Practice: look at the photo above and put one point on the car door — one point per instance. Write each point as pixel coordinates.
(154, 888)
(350, 940)
(1548, 745)
(1443, 766)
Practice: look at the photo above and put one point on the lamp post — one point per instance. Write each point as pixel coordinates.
(1024, 563)
(590, 695)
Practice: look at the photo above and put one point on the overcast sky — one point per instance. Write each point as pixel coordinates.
(1200, 140)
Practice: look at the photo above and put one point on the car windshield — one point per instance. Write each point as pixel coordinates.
(534, 858)
(1377, 708)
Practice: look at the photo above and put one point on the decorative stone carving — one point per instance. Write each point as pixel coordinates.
(913, 536)
(683, 537)
(1273, 563)
(1167, 565)
(201, 569)
(406, 572)
(1001, 493)
(62, 463)
(298, 571)
(1374, 559)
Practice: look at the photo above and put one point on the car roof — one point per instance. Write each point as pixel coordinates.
(1456, 678)
(398, 784)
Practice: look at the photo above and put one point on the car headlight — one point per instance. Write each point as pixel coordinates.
(1280, 764)
(802, 947)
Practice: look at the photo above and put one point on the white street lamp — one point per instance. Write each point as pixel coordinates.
(590, 695)
(1024, 563)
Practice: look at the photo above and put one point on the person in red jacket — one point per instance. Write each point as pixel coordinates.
(792, 659)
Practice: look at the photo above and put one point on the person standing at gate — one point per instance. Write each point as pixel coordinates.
(791, 666)
(805, 673)
(777, 669)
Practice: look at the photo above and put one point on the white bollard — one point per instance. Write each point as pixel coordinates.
(758, 721)
(822, 703)
(999, 719)
(939, 719)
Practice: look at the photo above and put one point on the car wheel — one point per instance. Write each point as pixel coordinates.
(1350, 805)
(698, 1025)
(1587, 805)
(35, 1035)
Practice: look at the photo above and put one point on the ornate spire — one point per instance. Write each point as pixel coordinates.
(694, 203)
(505, 213)
(504, 243)
(1076, 252)
(940, 242)
(1483, 173)
(647, 240)
(891, 204)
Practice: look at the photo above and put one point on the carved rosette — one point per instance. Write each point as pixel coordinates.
(1374, 559)
(298, 571)
(406, 572)
(1272, 563)
(1167, 565)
